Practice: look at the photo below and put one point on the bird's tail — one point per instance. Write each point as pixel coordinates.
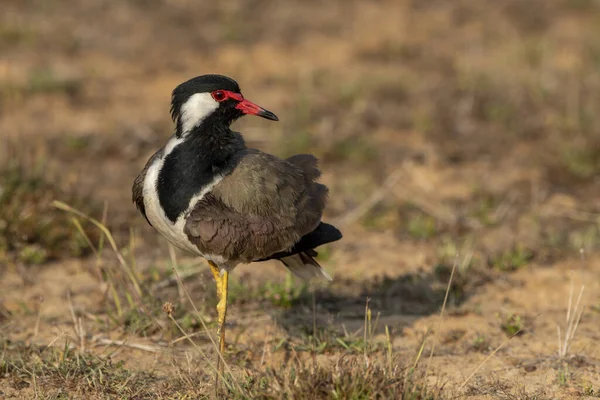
(304, 266)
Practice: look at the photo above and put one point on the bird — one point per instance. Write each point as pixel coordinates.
(209, 194)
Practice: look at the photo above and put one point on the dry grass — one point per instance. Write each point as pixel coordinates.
(460, 146)
(363, 368)
(31, 232)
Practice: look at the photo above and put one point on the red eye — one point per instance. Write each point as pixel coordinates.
(219, 95)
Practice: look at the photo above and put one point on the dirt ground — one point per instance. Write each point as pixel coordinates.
(461, 145)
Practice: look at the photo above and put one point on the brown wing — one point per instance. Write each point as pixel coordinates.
(263, 207)
(137, 191)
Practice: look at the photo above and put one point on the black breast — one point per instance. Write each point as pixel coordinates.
(193, 165)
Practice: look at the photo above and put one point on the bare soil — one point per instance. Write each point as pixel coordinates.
(450, 133)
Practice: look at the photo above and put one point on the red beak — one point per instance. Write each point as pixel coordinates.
(248, 107)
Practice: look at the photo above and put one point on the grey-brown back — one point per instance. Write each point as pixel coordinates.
(263, 207)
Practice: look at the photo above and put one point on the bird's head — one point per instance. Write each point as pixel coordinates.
(214, 99)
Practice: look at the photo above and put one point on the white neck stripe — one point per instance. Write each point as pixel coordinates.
(195, 109)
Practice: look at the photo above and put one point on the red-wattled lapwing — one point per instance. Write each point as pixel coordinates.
(209, 194)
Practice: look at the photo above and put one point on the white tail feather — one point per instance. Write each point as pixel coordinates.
(304, 266)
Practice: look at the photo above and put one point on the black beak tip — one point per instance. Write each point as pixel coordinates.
(268, 115)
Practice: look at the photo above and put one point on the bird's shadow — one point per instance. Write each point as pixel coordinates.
(393, 302)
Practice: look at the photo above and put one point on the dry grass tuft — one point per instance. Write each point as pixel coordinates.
(62, 372)
(348, 378)
(32, 232)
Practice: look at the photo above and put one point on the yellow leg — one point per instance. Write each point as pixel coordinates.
(217, 275)
(222, 280)
(222, 311)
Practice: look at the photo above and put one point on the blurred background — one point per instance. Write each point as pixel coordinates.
(461, 133)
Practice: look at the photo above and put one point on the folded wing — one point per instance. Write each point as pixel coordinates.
(267, 208)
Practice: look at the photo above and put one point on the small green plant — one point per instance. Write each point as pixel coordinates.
(480, 343)
(513, 259)
(33, 254)
(238, 292)
(283, 294)
(512, 325)
(316, 344)
(137, 322)
(76, 143)
(587, 239)
(189, 322)
(588, 390)
(326, 340)
(382, 216)
(582, 162)
(421, 226)
(563, 376)
(485, 204)
(449, 249)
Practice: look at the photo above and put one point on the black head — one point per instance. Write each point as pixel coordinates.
(214, 96)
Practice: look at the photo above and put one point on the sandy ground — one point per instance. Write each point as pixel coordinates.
(383, 93)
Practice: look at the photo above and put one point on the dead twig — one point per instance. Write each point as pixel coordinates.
(124, 343)
(492, 354)
(77, 323)
(574, 314)
(173, 280)
(441, 315)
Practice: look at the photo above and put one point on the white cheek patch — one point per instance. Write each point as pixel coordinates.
(195, 109)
